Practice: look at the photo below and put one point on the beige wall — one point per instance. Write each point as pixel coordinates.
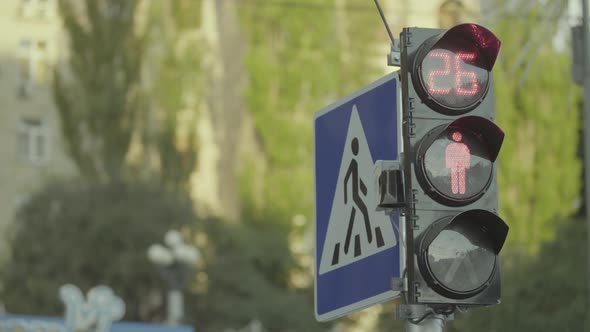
(19, 174)
(425, 14)
(428, 14)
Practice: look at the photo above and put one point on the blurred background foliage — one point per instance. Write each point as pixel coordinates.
(89, 234)
(135, 105)
(539, 169)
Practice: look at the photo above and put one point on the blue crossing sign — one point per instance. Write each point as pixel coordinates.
(358, 249)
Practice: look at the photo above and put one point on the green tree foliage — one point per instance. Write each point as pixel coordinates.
(108, 108)
(539, 172)
(90, 234)
(97, 91)
(248, 267)
(175, 59)
(300, 58)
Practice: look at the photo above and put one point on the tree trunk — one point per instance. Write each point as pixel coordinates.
(224, 119)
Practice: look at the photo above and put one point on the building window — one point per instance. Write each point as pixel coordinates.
(40, 62)
(24, 58)
(43, 9)
(25, 7)
(24, 65)
(36, 9)
(33, 64)
(32, 142)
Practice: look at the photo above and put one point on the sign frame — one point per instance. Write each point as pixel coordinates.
(330, 303)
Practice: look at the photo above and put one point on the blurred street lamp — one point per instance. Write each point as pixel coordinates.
(175, 261)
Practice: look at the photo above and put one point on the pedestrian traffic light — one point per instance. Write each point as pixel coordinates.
(451, 144)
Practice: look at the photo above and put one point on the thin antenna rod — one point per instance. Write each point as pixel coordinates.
(385, 22)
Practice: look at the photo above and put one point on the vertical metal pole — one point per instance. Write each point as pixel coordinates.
(175, 307)
(433, 323)
(586, 35)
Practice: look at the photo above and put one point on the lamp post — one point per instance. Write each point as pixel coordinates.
(175, 261)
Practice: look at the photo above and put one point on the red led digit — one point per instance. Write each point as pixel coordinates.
(471, 76)
(453, 78)
(460, 75)
(441, 72)
(458, 160)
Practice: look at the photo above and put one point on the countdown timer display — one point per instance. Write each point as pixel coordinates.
(453, 76)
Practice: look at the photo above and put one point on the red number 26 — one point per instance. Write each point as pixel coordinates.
(452, 66)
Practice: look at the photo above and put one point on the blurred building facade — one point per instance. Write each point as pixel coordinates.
(441, 14)
(31, 143)
(431, 13)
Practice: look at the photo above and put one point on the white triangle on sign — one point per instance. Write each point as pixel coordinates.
(356, 230)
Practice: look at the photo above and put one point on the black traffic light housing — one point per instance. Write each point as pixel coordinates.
(451, 144)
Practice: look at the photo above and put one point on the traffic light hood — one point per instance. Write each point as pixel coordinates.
(492, 135)
(486, 41)
(489, 222)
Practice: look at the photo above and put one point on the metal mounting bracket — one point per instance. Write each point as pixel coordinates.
(399, 284)
(394, 58)
(410, 311)
(418, 311)
(389, 184)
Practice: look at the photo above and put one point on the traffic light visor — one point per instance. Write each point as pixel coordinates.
(484, 40)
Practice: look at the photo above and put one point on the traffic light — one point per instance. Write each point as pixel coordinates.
(451, 144)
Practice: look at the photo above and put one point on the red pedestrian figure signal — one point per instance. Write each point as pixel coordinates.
(458, 159)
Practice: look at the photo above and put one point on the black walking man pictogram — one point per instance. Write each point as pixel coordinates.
(357, 184)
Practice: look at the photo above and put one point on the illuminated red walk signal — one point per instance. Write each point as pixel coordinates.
(458, 160)
(455, 161)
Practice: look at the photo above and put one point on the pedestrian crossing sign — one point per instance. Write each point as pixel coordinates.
(357, 245)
